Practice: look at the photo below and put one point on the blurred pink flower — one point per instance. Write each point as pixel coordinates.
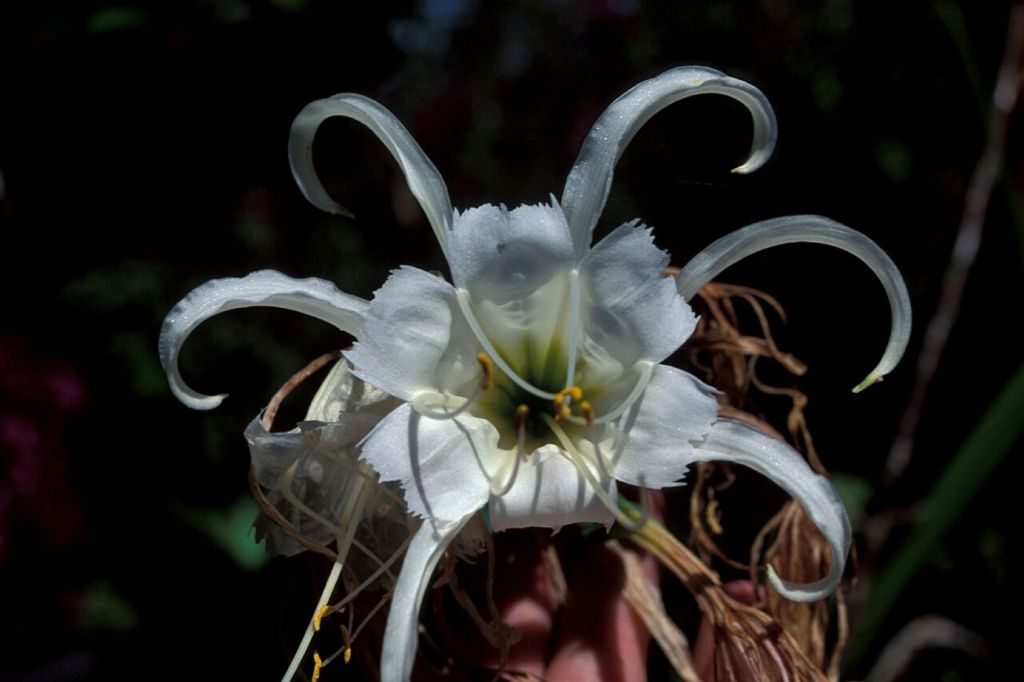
(40, 397)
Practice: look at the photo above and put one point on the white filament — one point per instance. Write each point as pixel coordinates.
(574, 326)
(354, 513)
(580, 464)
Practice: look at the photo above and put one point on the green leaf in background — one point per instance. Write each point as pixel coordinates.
(104, 609)
(855, 492)
(117, 18)
(290, 5)
(972, 465)
(895, 160)
(231, 530)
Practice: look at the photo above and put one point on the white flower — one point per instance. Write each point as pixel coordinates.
(531, 384)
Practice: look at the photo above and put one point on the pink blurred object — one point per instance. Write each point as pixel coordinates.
(40, 398)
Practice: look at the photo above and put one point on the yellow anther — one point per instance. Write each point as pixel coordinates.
(587, 411)
(521, 413)
(319, 615)
(347, 656)
(573, 392)
(317, 664)
(488, 368)
(563, 401)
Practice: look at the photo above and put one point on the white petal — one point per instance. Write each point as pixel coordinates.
(494, 249)
(515, 266)
(737, 245)
(587, 186)
(315, 297)
(549, 492)
(415, 338)
(401, 637)
(310, 474)
(443, 465)
(424, 180)
(675, 410)
(628, 305)
(734, 441)
(342, 394)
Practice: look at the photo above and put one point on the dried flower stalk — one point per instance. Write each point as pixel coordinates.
(749, 644)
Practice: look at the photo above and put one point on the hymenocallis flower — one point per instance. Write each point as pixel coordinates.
(531, 383)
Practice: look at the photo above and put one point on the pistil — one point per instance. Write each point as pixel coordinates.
(522, 412)
(420, 402)
(578, 461)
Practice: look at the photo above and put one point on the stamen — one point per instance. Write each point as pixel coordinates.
(565, 397)
(574, 326)
(356, 468)
(319, 615)
(578, 461)
(350, 635)
(419, 403)
(521, 413)
(346, 632)
(462, 296)
(344, 648)
(289, 495)
(317, 664)
(293, 667)
(563, 402)
(353, 512)
(488, 368)
(587, 412)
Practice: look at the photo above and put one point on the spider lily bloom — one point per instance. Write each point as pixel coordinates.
(531, 384)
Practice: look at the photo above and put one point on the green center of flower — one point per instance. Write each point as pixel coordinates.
(518, 414)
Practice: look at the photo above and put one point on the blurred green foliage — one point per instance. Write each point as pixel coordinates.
(231, 530)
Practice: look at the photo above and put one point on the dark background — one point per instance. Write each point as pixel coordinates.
(142, 152)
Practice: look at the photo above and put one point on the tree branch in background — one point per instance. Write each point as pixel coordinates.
(968, 241)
